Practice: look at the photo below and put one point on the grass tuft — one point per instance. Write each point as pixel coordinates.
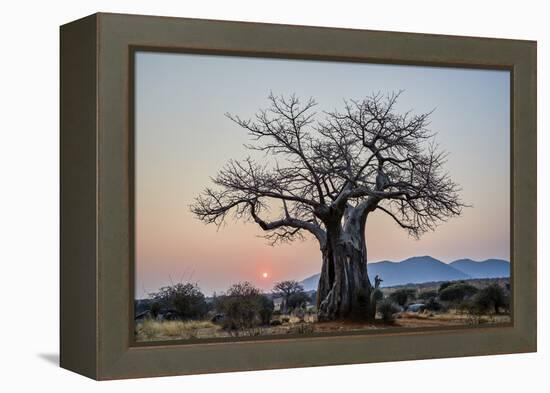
(151, 329)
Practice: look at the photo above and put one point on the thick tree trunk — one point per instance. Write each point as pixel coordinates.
(344, 289)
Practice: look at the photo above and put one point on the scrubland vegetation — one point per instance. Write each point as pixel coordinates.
(182, 311)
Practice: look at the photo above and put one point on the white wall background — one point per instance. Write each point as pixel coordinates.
(29, 194)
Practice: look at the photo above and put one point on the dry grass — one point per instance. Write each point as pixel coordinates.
(150, 329)
(450, 318)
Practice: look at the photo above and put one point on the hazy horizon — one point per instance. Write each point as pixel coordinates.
(183, 138)
(171, 280)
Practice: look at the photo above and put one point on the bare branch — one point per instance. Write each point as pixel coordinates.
(294, 223)
(366, 156)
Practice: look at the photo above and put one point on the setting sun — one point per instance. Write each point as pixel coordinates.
(264, 275)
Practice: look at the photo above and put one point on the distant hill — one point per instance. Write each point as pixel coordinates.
(414, 270)
(490, 268)
(310, 283)
(418, 270)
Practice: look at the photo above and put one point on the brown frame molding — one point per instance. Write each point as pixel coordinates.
(97, 184)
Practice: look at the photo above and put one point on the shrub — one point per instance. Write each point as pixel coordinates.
(465, 307)
(245, 307)
(240, 306)
(297, 300)
(401, 296)
(474, 315)
(266, 309)
(377, 295)
(457, 292)
(491, 298)
(444, 285)
(427, 295)
(185, 298)
(155, 309)
(433, 305)
(387, 310)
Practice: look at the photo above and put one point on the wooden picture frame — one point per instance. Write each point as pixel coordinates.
(97, 185)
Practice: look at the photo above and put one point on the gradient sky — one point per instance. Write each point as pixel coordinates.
(183, 138)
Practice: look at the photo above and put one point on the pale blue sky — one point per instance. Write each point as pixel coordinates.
(183, 138)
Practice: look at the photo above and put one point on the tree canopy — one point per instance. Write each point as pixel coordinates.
(317, 165)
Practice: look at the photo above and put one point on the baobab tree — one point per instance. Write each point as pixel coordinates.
(327, 174)
(285, 289)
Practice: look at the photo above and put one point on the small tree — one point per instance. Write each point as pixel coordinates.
(491, 297)
(387, 309)
(244, 306)
(185, 298)
(285, 289)
(298, 300)
(427, 295)
(155, 309)
(457, 292)
(266, 309)
(402, 296)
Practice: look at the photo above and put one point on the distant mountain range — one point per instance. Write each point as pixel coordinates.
(418, 270)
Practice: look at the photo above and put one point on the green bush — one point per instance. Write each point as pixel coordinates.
(297, 300)
(444, 285)
(427, 295)
(402, 296)
(465, 307)
(377, 295)
(491, 298)
(457, 292)
(472, 311)
(387, 309)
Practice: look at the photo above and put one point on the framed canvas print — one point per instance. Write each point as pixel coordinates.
(240, 196)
